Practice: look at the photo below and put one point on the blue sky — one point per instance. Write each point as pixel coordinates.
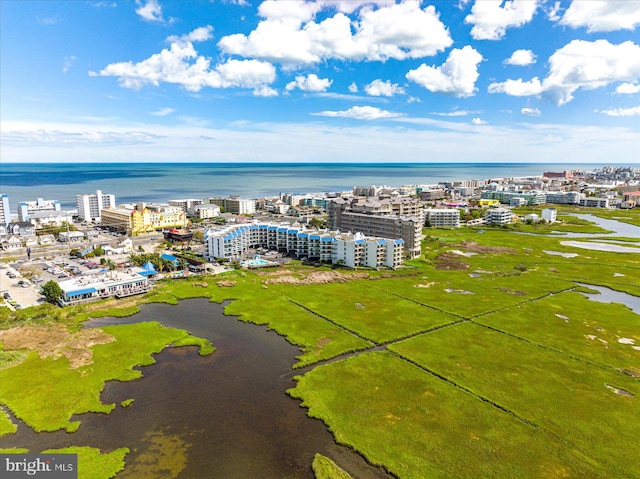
(328, 80)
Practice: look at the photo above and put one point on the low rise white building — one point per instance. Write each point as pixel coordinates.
(442, 217)
(595, 202)
(117, 283)
(204, 212)
(43, 219)
(26, 208)
(498, 216)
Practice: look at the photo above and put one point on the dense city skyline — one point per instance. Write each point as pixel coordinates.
(338, 81)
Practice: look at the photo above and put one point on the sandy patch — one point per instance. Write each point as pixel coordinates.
(56, 341)
(617, 275)
(427, 285)
(627, 341)
(226, 284)
(468, 254)
(591, 337)
(562, 316)
(360, 306)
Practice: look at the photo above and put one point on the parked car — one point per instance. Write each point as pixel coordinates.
(6, 296)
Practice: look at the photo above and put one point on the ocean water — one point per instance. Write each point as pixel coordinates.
(160, 182)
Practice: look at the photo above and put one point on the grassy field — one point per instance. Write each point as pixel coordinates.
(495, 364)
(561, 395)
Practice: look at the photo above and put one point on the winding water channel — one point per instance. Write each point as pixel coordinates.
(224, 416)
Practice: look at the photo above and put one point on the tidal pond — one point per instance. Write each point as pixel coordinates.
(608, 295)
(224, 416)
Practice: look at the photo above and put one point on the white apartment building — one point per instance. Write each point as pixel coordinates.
(550, 214)
(442, 217)
(352, 250)
(89, 206)
(185, 204)
(595, 202)
(5, 212)
(25, 208)
(43, 219)
(498, 216)
(234, 204)
(358, 250)
(563, 197)
(204, 211)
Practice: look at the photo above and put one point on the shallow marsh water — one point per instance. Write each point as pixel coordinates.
(608, 295)
(225, 415)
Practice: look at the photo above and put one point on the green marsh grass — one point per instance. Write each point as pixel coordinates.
(325, 468)
(419, 426)
(561, 395)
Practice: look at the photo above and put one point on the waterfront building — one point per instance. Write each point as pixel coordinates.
(563, 197)
(234, 204)
(498, 216)
(26, 208)
(89, 206)
(186, 204)
(204, 212)
(148, 219)
(595, 202)
(430, 195)
(117, 283)
(316, 202)
(53, 219)
(550, 214)
(372, 190)
(442, 217)
(384, 218)
(532, 198)
(5, 212)
(292, 199)
(234, 241)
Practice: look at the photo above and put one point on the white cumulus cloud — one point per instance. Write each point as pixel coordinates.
(353, 88)
(628, 89)
(290, 35)
(521, 58)
(181, 64)
(530, 111)
(386, 88)
(478, 121)
(456, 76)
(490, 18)
(579, 64)
(602, 15)
(633, 111)
(360, 113)
(310, 83)
(151, 11)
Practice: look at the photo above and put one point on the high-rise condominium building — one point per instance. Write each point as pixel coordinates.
(89, 206)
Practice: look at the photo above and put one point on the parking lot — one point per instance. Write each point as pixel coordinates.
(16, 292)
